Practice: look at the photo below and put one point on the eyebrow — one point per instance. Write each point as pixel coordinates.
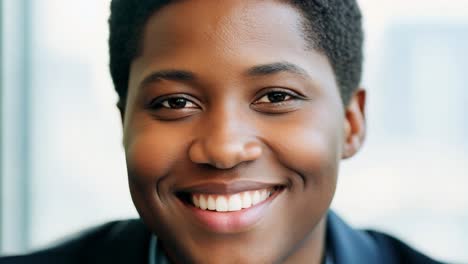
(277, 67)
(255, 71)
(173, 75)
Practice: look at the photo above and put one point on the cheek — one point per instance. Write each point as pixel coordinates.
(149, 157)
(152, 151)
(308, 144)
(151, 148)
(311, 146)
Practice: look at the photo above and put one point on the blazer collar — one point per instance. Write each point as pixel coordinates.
(349, 245)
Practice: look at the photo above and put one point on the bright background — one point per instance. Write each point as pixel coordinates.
(62, 163)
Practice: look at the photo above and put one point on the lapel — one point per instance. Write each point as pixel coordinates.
(352, 246)
(126, 242)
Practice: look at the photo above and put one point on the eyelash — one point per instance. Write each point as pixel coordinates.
(288, 94)
(159, 103)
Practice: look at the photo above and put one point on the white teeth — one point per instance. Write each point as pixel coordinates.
(256, 198)
(233, 202)
(195, 201)
(211, 203)
(221, 204)
(266, 194)
(246, 200)
(202, 202)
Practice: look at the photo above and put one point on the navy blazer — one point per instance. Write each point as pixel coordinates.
(128, 242)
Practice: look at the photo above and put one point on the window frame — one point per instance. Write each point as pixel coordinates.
(15, 43)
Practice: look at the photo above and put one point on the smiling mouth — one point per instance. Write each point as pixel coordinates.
(228, 202)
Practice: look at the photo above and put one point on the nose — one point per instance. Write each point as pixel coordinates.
(225, 142)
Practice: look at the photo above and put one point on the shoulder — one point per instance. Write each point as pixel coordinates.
(398, 249)
(114, 242)
(366, 246)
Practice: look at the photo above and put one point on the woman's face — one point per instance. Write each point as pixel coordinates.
(233, 131)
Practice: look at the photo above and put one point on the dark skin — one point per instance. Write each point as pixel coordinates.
(228, 91)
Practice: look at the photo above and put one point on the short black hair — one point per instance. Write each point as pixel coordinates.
(333, 27)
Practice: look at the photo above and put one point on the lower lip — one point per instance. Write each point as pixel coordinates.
(231, 222)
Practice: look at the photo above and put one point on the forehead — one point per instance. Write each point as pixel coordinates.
(230, 25)
(219, 40)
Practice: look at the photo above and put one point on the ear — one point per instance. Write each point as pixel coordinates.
(355, 124)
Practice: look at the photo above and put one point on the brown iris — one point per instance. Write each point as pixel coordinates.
(177, 103)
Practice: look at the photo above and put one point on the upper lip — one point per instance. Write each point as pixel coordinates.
(227, 187)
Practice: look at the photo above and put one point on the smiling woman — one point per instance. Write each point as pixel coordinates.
(236, 116)
(230, 139)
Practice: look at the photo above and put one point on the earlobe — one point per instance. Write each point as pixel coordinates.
(355, 124)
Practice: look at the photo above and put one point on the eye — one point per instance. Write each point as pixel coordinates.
(175, 102)
(275, 97)
(278, 101)
(173, 107)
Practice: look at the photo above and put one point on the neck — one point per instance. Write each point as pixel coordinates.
(312, 248)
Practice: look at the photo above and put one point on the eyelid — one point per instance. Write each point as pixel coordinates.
(165, 103)
(266, 91)
(158, 100)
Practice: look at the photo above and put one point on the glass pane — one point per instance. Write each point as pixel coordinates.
(78, 171)
(410, 179)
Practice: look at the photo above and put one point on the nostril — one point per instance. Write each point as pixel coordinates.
(224, 154)
(225, 165)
